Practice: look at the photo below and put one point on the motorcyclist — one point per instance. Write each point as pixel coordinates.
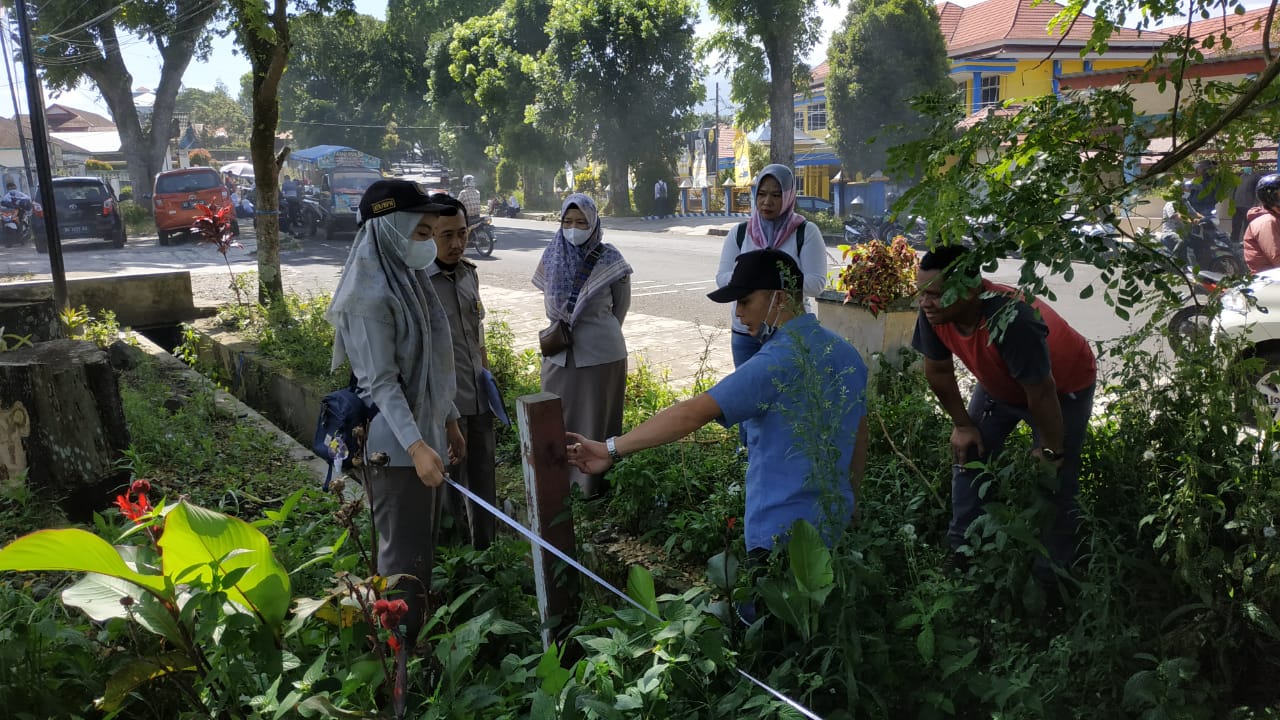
(470, 199)
(14, 196)
(1262, 237)
(291, 191)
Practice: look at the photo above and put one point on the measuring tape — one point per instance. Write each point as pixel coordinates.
(533, 538)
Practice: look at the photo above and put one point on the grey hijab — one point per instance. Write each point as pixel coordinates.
(377, 287)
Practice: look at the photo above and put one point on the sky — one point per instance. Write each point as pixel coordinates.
(226, 66)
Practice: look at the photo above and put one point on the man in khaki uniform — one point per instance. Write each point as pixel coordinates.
(457, 285)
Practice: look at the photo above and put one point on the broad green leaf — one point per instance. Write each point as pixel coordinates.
(722, 571)
(810, 558)
(102, 597)
(196, 539)
(924, 643)
(76, 551)
(640, 588)
(139, 672)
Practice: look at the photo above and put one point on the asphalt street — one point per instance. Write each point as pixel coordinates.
(672, 323)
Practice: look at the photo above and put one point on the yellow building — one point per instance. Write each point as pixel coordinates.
(816, 161)
(1003, 50)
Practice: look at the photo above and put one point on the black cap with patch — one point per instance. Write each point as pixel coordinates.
(390, 196)
(759, 270)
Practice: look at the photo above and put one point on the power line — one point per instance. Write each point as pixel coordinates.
(381, 127)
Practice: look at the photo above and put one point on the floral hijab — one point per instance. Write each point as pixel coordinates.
(557, 272)
(772, 233)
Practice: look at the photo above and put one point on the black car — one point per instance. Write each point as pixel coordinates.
(86, 208)
(811, 204)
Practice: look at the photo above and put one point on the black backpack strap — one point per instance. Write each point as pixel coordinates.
(742, 234)
(800, 233)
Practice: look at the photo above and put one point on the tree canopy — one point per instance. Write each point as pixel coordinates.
(760, 41)
(215, 110)
(80, 40)
(1045, 167)
(886, 53)
(616, 78)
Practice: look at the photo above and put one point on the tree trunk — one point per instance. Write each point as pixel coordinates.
(61, 420)
(781, 53)
(144, 150)
(619, 192)
(268, 51)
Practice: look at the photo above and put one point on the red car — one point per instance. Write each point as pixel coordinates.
(178, 192)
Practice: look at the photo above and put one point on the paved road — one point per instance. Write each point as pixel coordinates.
(672, 323)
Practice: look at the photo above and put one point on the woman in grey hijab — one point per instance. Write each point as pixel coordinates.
(389, 324)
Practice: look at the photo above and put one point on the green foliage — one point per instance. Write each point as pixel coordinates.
(589, 66)
(79, 322)
(214, 110)
(827, 222)
(293, 333)
(138, 219)
(887, 52)
(96, 164)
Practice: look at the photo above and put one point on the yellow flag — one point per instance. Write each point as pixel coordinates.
(741, 159)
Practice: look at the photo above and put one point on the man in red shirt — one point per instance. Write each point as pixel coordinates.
(1262, 238)
(1034, 368)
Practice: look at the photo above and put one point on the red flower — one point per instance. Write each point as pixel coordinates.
(732, 522)
(133, 509)
(389, 612)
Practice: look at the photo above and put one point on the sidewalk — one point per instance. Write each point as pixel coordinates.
(682, 348)
(677, 224)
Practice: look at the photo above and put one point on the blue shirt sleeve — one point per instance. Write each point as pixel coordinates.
(748, 391)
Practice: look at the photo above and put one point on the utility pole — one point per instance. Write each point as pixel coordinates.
(13, 93)
(40, 147)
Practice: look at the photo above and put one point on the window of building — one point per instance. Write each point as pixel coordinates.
(818, 117)
(800, 118)
(990, 91)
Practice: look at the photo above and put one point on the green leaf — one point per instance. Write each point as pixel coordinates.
(722, 571)
(924, 643)
(139, 672)
(102, 597)
(196, 540)
(640, 588)
(73, 550)
(810, 558)
(627, 702)
(1261, 620)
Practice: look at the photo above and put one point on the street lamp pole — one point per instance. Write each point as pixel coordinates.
(40, 148)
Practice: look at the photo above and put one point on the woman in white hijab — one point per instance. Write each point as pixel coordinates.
(389, 324)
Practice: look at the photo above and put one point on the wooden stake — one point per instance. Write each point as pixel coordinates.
(546, 483)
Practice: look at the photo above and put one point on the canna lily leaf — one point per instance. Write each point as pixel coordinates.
(74, 550)
(138, 673)
(195, 540)
(103, 597)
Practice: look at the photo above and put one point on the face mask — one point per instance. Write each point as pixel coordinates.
(420, 254)
(766, 328)
(577, 236)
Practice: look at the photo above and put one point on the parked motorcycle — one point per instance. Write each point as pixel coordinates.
(1192, 323)
(481, 236)
(1207, 247)
(307, 218)
(15, 223)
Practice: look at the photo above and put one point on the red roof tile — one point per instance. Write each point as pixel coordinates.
(1244, 30)
(819, 74)
(993, 22)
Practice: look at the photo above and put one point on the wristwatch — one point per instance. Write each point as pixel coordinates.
(1051, 455)
(612, 447)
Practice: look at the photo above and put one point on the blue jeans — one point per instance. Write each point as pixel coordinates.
(995, 420)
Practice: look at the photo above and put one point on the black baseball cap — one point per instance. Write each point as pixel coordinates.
(759, 270)
(388, 196)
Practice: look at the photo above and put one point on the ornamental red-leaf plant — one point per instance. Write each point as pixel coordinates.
(878, 276)
(215, 226)
(389, 614)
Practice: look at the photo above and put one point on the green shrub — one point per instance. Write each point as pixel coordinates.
(95, 164)
(200, 157)
(138, 219)
(827, 222)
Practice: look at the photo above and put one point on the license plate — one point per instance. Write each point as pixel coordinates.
(76, 229)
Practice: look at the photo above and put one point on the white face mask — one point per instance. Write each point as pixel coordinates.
(420, 254)
(767, 329)
(577, 236)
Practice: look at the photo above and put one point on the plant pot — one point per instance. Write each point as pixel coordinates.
(887, 334)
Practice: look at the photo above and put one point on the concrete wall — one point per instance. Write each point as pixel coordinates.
(150, 300)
